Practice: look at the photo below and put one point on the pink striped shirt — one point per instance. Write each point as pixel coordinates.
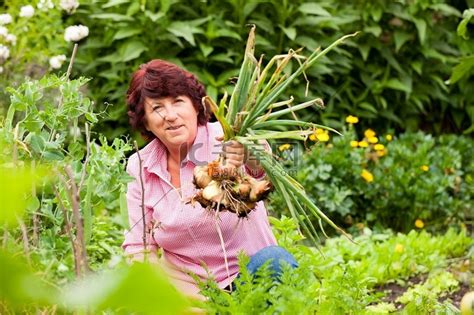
(186, 234)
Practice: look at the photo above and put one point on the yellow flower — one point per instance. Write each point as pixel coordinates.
(352, 119)
(425, 168)
(389, 137)
(419, 224)
(354, 144)
(319, 135)
(369, 133)
(399, 248)
(367, 176)
(381, 153)
(284, 147)
(379, 147)
(323, 137)
(363, 144)
(373, 139)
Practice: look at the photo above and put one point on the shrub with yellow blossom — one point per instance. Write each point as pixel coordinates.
(413, 176)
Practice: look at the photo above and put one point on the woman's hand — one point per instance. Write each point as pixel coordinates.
(235, 156)
(233, 153)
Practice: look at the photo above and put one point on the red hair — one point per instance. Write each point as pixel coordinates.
(158, 79)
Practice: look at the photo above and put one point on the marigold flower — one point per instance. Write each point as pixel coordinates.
(369, 133)
(399, 248)
(379, 147)
(367, 176)
(425, 168)
(419, 223)
(352, 119)
(323, 137)
(389, 137)
(319, 135)
(354, 144)
(319, 131)
(373, 140)
(363, 144)
(284, 147)
(381, 153)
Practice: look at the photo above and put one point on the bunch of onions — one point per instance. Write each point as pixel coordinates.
(253, 114)
(228, 189)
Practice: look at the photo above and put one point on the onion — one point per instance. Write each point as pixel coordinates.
(201, 177)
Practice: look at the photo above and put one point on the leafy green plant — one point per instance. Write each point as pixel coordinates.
(71, 224)
(35, 41)
(394, 77)
(344, 278)
(389, 183)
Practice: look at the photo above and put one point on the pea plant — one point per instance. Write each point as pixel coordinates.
(49, 123)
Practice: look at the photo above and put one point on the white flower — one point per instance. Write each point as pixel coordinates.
(69, 5)
(3, 31)
(27, 11)
(11, 39)
(4, 52)
(1, 69)
(5, 19)
(75, 33)
(45, 5)
(57, 61)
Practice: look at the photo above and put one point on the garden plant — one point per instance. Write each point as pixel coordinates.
(385, 157)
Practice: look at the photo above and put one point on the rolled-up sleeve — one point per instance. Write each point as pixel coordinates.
(133, 243)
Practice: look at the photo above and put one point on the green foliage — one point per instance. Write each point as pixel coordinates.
(20, 286)
(415, 176)
(138, 288)
(393, 76)
(344, 278)
(42, 140)
(424, 297)
(38, 38)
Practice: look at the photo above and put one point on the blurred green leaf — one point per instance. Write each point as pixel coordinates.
(462, 69)
(138, 288)
(20, 286)
(183, 29)
(126, 32)
(112, 16)
(114, 3)
(132, 50)
(14, 184)
(313, 8)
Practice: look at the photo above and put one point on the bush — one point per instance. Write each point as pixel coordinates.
(393, 74)
(414, 178)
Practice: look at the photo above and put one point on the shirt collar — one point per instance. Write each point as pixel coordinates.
(199, 154)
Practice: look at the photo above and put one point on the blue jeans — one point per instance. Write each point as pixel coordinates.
(275, 255)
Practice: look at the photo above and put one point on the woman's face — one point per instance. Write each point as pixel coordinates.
(173, 120)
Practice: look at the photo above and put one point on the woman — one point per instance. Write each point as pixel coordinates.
(164, 104)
